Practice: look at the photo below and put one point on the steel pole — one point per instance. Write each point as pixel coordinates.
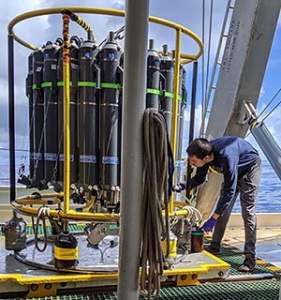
(136, 36)
(191, 125)
(11, 117)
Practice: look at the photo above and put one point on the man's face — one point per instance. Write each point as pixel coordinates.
(197, 162)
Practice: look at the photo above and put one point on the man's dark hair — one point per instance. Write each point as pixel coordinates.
(200, 148)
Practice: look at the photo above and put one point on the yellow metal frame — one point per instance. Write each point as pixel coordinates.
(38, 286)
(182, 277)
(72, 214)
(104, 11)
(180, 58)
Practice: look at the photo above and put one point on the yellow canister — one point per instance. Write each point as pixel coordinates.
(173, 246)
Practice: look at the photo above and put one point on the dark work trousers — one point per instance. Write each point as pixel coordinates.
(247, 187)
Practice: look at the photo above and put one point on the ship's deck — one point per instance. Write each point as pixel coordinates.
(268, 245)
(262, 283)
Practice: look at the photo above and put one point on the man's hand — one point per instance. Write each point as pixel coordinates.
(179, 187)
(209, 225)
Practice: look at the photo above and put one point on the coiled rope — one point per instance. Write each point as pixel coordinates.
(155, 227)
(43, 213)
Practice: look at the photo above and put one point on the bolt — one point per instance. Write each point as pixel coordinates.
(48, 286)
(34, 287)
(220, 273)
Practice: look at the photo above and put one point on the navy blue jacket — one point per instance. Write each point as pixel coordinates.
(233, 157)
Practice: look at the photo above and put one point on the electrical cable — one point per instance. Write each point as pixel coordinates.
(155, 198)
(74, 17)
(116, 34)
(43, 212)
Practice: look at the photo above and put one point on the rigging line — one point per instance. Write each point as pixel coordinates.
(269, 103)
(222, 35)
(33, 134)
(209, 45)
(55, 169)
(205, 81)
(32, 117)
(203, 59)
(16, 150)
(25, 139)
(42, 133)
(271, 111)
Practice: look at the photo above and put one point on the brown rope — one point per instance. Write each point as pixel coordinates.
(155, 198)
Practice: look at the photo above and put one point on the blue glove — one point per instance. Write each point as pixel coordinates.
(179, 187)
(208, 225)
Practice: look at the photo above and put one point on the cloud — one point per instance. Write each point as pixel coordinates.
(273, 122)
(262, 91)
(39, 30)
(186, 127)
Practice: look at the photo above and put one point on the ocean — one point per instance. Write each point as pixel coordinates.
(269, 192)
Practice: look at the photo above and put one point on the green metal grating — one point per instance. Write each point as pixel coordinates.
(244, 290)
(29, 229)
(235, 258)
(255, 290)
(72, 228)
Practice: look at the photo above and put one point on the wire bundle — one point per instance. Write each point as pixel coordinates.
(155, 199)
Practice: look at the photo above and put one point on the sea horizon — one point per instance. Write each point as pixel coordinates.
(269, 191)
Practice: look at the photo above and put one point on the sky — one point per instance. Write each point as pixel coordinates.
(37, 31)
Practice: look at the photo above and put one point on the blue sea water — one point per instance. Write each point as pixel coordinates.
(269, 192)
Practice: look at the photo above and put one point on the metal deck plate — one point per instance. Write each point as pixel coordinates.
(201, 264)
(97, 266)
